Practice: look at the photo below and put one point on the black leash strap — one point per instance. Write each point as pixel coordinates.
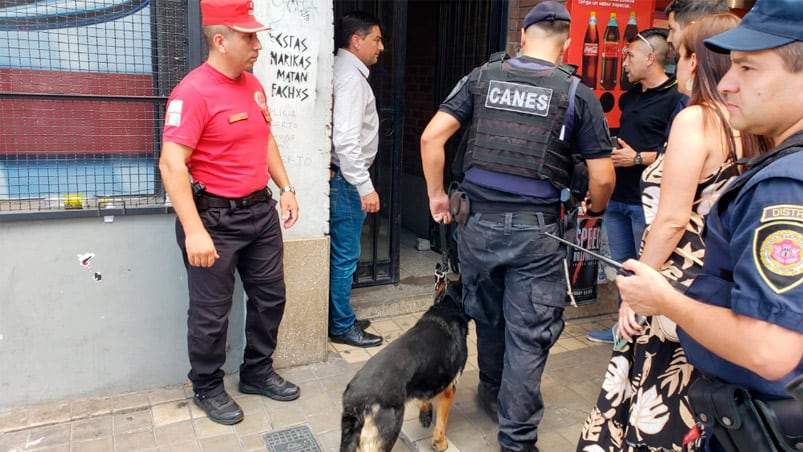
(442, 267)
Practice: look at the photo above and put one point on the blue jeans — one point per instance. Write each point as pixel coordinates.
(625, 225)
(345, 227)
(515, 290)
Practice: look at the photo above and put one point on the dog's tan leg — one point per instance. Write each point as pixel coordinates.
(444, 404)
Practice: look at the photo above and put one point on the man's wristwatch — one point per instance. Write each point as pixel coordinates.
(637, 159)
(289, 189)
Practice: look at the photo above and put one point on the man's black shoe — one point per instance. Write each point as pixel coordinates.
(274, 387)
(362, 323)
(487, 401)
(220, 408)
(356, 337)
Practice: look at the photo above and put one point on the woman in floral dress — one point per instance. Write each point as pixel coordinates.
(643, 404)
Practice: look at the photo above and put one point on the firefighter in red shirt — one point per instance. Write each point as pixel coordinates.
(218, 155)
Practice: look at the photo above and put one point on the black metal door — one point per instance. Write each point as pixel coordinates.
(467, 32)
(470, 32)
(379, 259)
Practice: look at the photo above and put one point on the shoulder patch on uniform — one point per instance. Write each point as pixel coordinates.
(777, 254)
(456, 88)
(793, 212)
(173, 116)
(528, 99)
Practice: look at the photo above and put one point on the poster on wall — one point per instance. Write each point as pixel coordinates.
(599, 33)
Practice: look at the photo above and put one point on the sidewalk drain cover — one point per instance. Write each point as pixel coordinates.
(293, 439)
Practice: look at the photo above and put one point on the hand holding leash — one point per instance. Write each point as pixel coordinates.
(439, 208)
(442, 267)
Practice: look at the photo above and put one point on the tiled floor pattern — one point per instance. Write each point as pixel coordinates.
(165, 419)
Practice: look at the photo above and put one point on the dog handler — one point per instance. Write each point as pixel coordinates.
(518, 160)
(741, 321)
(217, 158)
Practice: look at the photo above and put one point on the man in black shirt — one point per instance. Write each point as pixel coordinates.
(646, 112)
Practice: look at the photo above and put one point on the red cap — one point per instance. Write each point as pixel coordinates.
(235, 14)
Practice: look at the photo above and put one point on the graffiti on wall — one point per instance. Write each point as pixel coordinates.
(289, 68)
(291, 62)
(290, 10)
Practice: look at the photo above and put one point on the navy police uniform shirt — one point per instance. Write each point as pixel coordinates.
(589, 135)
(758, 240)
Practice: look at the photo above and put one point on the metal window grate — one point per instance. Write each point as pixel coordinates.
(83, 86)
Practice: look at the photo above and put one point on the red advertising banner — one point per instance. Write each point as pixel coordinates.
(600, 30)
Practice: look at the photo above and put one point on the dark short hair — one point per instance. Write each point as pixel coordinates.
(690, 10)
(355, 22)
(652, 32)
(554, 27)
(209, 32)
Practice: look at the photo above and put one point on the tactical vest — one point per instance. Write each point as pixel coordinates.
(518, 123)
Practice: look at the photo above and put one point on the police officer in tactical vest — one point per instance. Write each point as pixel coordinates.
(528, 119)
(741, 321)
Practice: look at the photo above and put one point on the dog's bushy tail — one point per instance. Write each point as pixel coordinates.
(351, 423)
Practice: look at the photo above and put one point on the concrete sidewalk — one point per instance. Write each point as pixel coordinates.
(165, 419)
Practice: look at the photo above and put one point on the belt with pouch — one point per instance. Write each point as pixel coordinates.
(206, 200)
(742, 423)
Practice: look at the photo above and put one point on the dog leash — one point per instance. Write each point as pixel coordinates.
(442, 267)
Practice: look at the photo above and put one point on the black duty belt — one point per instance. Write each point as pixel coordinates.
(522, 214)
(207, 200)
(741, 422)
(525, 218)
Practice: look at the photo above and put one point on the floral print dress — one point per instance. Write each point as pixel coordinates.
(643, 404)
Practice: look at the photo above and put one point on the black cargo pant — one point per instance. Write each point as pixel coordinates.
(248, 239)
(514, 289)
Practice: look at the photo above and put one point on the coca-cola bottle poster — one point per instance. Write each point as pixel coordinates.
(598, 32)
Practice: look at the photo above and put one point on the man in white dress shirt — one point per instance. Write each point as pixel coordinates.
(355, 139)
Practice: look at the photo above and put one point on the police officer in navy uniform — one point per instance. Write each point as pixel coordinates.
(526, 117)
(741, 321)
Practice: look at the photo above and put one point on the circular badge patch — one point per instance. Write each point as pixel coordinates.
(780, 253)
(259, 98)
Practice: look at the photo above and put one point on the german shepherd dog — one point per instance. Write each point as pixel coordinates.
(423, 365)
